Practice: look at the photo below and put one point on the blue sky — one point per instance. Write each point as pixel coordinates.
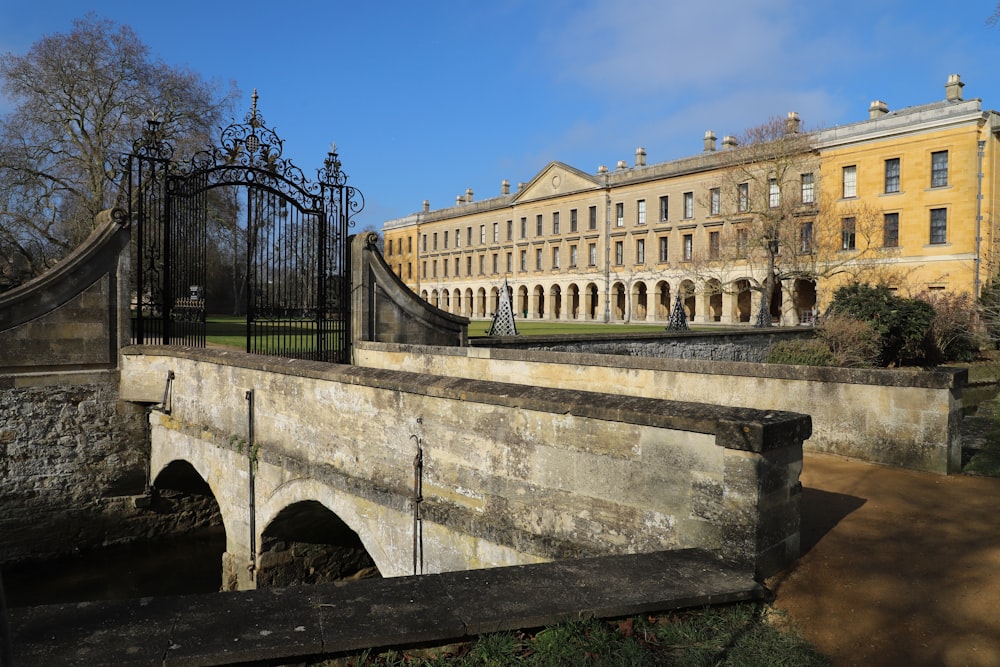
(428, 99)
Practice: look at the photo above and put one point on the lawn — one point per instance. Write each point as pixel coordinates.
(230, 330)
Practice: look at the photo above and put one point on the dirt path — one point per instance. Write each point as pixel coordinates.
(898, 567)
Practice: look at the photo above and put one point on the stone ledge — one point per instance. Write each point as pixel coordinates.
(327, 619)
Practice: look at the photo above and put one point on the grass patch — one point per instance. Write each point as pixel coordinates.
(744, 635)
(230, 330)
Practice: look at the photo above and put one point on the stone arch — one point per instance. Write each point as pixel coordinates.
(663, 304)
(523, 303)
(538, 296)
(469, 303)
(777, 299)
(555, 301)
(356, 514)
(447, 300)
(456, 299)
(713, 300)
(689, 299)
(573, 301)
(480, 302)
(593, 300)
(494, 301)
(424, 296)
(743, 303)
(619, 296)
(180, 489)
(435, 299)
(307, 543)
(640, 305)
(203, 476)
(804, 297)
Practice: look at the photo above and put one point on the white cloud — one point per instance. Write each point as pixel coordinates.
(651, 46)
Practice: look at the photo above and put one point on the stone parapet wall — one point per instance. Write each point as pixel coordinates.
(753, 345)
(906, 418)
(70, 460)
(512, 472)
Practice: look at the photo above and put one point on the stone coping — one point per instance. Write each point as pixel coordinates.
(734, 428)
(940, 377)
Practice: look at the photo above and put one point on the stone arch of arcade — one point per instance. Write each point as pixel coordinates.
(643, 299)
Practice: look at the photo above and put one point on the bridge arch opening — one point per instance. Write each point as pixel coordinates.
(306, 543)
(182, 493)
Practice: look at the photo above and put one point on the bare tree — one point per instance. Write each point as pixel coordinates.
(81, 98)
(774, 226)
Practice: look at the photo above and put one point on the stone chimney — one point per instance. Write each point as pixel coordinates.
(427, 205)
(953, 89)
(459, 200)
(622, 164)
(877, 109)
(640, 157)
(709, 141)
(603, 169)
(729, 141)
(468, 195)
(520, 185)
(505, 187)
(792, 123)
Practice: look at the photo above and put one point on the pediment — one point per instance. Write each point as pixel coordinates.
(556, 179)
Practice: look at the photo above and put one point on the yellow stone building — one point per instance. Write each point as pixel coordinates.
(905, 197)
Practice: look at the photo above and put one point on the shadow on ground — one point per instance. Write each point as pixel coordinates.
(898, 567)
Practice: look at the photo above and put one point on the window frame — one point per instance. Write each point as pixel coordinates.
(939, 173)
(808, 188)
(892, 173)
(886, 227)
(849, 233)
(938, 228)
(714, 244)
(849, 181)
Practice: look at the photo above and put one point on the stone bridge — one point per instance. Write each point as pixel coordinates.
(509, 474)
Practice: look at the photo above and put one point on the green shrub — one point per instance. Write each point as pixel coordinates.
(801, 352)
(901, 325)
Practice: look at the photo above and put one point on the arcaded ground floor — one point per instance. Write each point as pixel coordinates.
(628, 301)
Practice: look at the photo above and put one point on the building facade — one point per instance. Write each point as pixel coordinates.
(905, 197)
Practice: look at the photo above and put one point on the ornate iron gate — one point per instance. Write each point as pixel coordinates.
(294, 260)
